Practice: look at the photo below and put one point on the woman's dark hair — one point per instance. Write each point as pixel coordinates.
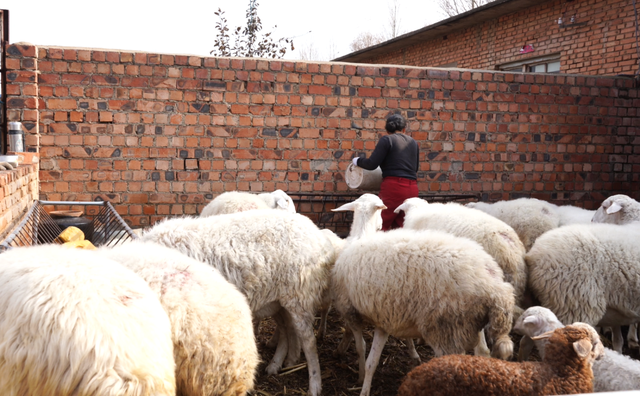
(395, 122)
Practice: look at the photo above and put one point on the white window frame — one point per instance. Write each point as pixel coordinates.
(526, 65)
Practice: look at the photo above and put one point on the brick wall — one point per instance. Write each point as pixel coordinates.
(161, 135)
(18, 189)
(601, 42)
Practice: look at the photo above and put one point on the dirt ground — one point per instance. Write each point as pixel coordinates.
(340, 375)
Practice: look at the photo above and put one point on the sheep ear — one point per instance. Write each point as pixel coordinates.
(403, 207)
(531, 320)
(543, 335)
(582, 348)
(351, 206)
(283, 203)
(614, 208)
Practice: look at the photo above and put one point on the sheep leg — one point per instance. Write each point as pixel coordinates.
(481, 348)
(344, 343)
(322, 328)
(361, 348)
(617, 339)
(283, 346)
(379, 340)
(526, 346)
(632, 336)
(413, 354)
(303, 324)
(293, 353)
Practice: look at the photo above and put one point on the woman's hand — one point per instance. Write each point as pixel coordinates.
(355, 161)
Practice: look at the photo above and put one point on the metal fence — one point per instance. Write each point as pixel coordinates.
(318, 207)
(37, 227)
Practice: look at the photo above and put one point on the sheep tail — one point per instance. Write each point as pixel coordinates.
(500, 322)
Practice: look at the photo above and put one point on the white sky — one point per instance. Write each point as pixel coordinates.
(188, 26)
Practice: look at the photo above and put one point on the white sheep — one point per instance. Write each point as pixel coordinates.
(75, 323)
(529, 217)
(618, 209)
(588, 273)
(566, 369)
(277, 259)
(614, 372)
(213, 342)
(412, 284)
(237, 201)
(495, 236)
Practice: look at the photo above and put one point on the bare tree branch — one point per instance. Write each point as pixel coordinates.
(455, 7)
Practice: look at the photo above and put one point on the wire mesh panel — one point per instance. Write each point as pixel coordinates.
(38, 228)
(318, 207)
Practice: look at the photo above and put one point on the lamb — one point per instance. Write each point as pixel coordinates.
(413, 284)
(213, 342)
(279, 260)
(529, 217)
(588, 273)
(75, 323)
(614, 372)
(236, 201)
(496, 237)
(566, 369)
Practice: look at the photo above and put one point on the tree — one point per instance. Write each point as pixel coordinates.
(248, 41)
(455, 7)
(364, 40)
(394, 20)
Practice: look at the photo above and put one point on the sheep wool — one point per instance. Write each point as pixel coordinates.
(74, 323)
(566, 369)
(583, 272)
(529, 217)
(495, 236)
(233, 202)
(277, 259)
(213, 341)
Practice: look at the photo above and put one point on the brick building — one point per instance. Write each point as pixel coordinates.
(160, 134)
(592, 37)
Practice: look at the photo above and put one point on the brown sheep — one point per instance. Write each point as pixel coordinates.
(566, 369)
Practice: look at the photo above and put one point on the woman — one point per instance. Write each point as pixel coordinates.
(397, 155)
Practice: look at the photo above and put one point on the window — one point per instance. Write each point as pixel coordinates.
(545, 64)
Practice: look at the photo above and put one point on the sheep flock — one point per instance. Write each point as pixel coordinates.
(219, 303)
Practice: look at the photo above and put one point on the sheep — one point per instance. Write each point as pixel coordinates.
(614, 372)
(279, 260)
(618, 209)
(236, 201)
(412, 284)
(75, 323)
(588, 273)
(529, 217)
(495, 236)
(213, 342)
(566, 369)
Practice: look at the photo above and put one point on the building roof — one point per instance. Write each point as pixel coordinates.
(489, 11)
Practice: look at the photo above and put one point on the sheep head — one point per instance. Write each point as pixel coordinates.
(617, 209)
(583, 339)
(535, 321)
(409, 204)
(283, 201)
(367, 217)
